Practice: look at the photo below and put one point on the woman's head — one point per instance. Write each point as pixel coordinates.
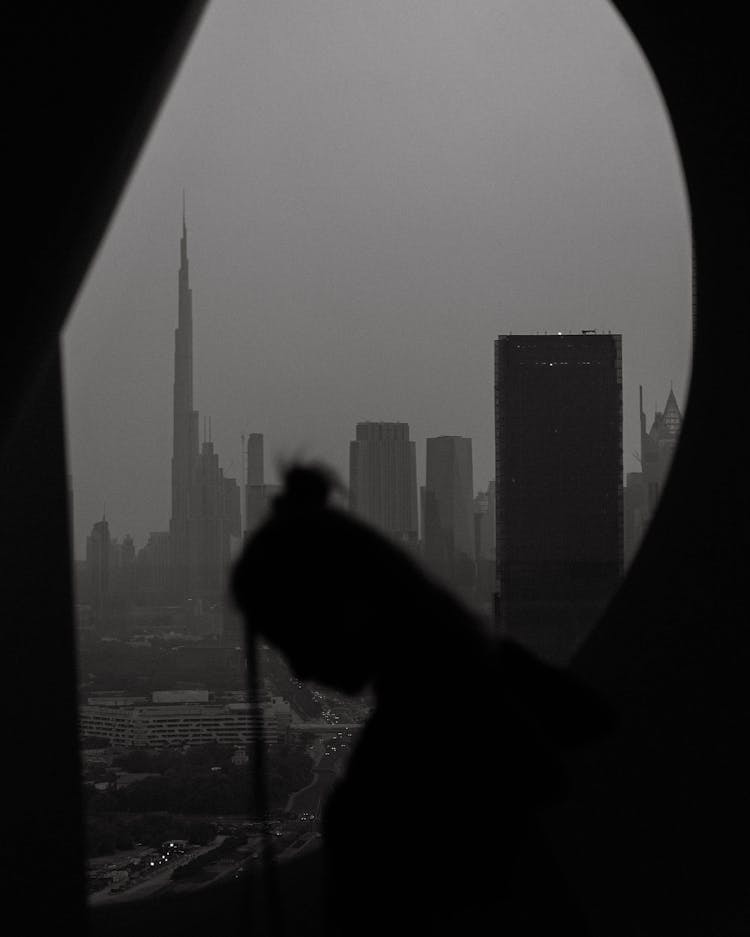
(327, 590)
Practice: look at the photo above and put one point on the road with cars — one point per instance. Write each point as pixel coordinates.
(146, 873)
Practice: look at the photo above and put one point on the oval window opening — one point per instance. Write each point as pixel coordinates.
(442, 248)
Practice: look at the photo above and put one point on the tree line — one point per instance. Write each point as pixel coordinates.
(203, 781)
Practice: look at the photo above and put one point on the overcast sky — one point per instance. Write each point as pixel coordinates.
(375, 191)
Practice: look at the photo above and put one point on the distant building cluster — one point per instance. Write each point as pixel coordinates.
(185, 568)
(538, 551)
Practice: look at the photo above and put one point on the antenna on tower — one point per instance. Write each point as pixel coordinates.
(209, 429)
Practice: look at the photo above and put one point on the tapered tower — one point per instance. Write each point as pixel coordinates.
(184, 425)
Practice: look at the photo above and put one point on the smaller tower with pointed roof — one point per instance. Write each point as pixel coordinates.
(643, 489)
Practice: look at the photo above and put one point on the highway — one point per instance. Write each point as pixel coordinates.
(330, 752)
(156, 881)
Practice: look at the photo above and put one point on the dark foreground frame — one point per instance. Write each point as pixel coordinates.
(648, 837)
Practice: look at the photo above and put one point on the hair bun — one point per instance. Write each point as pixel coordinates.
(306, 488)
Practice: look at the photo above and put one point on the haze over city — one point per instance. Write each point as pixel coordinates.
(374, 193)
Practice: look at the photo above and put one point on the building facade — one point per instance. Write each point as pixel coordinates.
(98, 553)
(448, 504)
(559, 497)
(184, 718)
(153, 563)
(213, 528)
(383, 479)
(258, 495)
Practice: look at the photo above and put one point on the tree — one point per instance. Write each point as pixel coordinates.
(200, 832)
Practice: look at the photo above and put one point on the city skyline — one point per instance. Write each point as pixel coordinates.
(187, 435)
(353, 257)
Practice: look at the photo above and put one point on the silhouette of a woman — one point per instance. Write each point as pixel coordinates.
(433, 825)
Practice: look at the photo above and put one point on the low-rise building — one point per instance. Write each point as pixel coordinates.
(176, 720)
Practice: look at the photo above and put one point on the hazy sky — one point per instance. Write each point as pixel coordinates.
(375, 191)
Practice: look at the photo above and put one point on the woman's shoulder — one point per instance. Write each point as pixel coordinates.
(566, 709)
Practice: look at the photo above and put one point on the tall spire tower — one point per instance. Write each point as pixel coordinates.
(185, 421)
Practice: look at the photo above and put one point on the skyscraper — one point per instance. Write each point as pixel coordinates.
(98, 548)
(558, 454)
(205, 525)
(258, 495)
(383, 479)
(184, 427)
(448, 523)
(657, 446)
(643, 489)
